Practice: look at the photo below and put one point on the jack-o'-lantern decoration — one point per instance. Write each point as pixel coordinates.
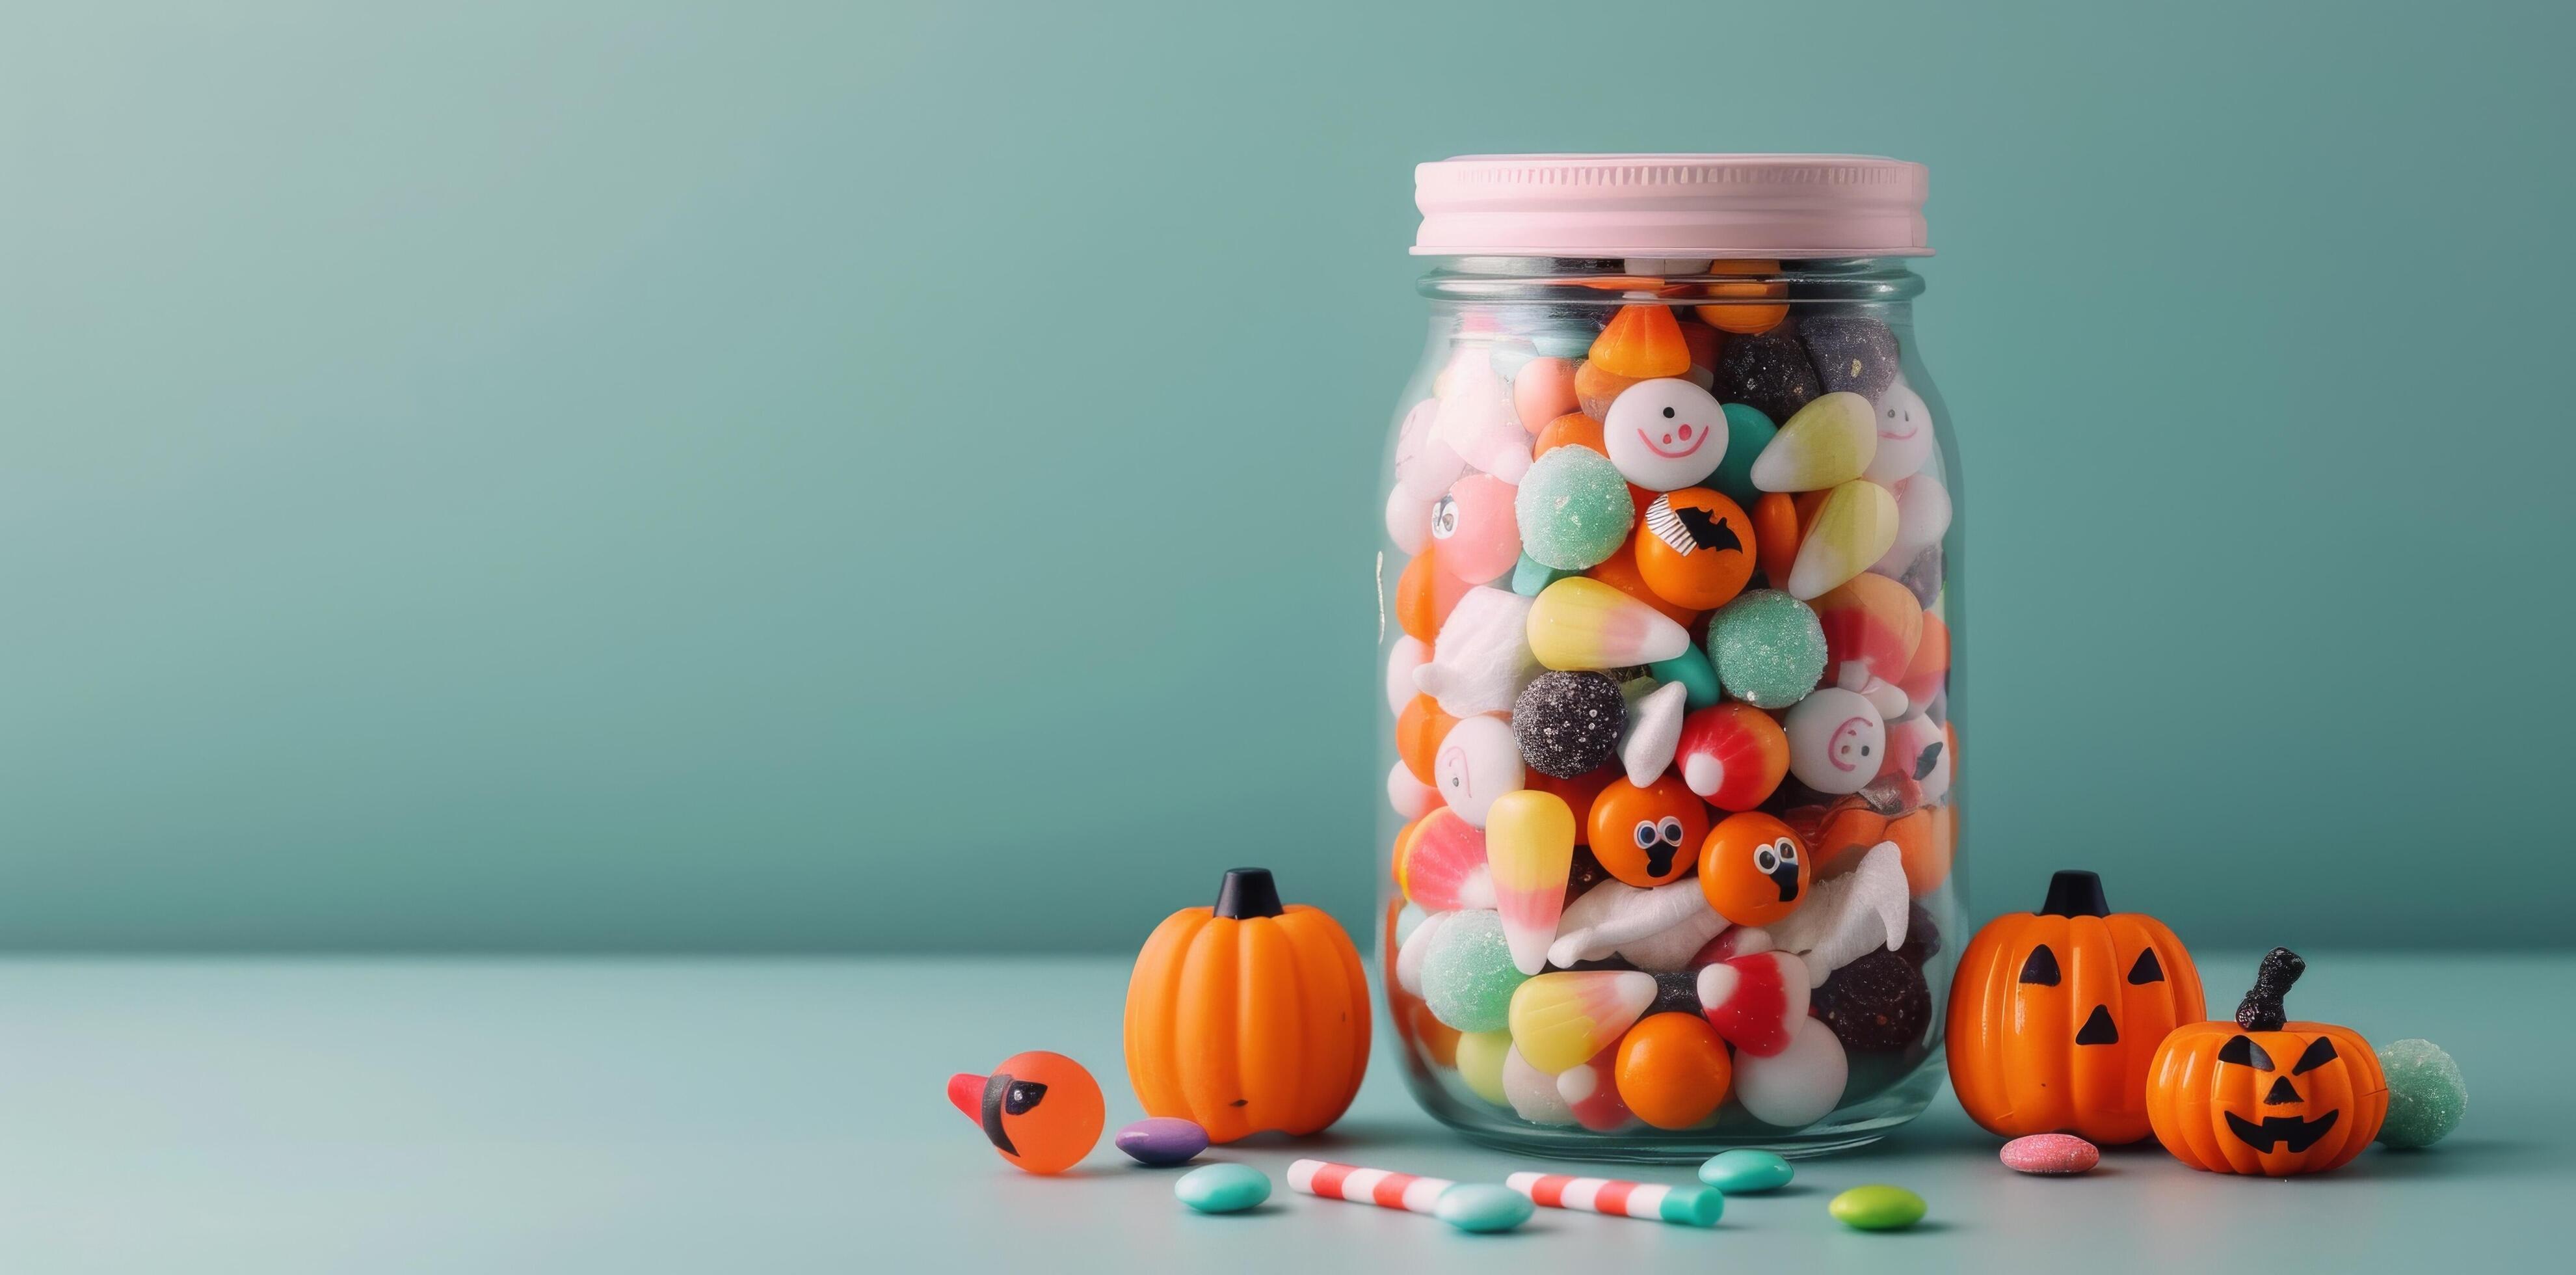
(1753, 869)
(2055, 1015)
(1247, 1016)
(1647, 836)
(2265, 1095)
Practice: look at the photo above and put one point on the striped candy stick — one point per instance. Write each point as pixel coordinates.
(1653, 1201)
(1381, 1187)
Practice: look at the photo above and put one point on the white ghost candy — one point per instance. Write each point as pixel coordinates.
(1798, 1085)
(1411, 797)
(1477, 762)
(1849, 916)
(1654, 730)
(1613, 914)
(1837, 740)
(1665, 434)
(1922, 518)
(1532, 1092)
(1477, 422)
(1412, 949)
(1904, 435)
(1402, 659)
(1408, 919)
(1673, 947)
(1482, 658)
(1424, 466)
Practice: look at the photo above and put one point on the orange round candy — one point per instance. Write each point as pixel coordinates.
(1775, 532)
(1643, 836)
(1753, 869)
(1041, 1111)
(1418, 732)
(1574, 429)
(1619, 571)
(1578, 793)
(1737, 316)
(1673, 1071)
(1595, 386)
(1696, 548)
(1425, 595)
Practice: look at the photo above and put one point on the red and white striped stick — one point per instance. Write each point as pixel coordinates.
(1381, 1187)
(1652, 1201)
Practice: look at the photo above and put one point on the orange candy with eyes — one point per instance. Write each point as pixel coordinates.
(1041, 1111)
(1643, 835)
(1753, 869)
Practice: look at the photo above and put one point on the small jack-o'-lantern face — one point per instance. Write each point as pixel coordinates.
(2264, 1094)
(1647, 836)
(1753, 869)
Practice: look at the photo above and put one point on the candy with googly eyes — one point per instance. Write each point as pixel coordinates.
(1753, 869)
(1837, 740)
(1648, 834)
(1665, 434)
(1473, 522)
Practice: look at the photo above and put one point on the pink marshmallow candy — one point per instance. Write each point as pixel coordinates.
(1479, 538)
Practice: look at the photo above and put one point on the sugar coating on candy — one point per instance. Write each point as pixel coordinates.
(1573, 508)
(2051, 1154)
(1878, 1004)
(1162, 1140)
(2426, 1094)
(1767, 647)
(1852, 353)
(1676, 992)
(1768, 372)
(1568, 724)
(1467, 973)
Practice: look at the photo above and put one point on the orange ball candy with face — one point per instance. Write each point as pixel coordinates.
(1643, 835)
(1041, 1111)
(1753, 869)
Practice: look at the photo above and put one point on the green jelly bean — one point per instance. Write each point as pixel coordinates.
(1877, 1207)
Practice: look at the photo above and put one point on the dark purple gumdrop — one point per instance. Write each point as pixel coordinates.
(1768, 372)
(1676, 991)
(1852, 353)
(1568, 724)
(1878, 1004)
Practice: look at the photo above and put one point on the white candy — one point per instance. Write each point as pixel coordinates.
(1922, 518)
(1477, 762)
(1406, 655)
(1665, 434)
(1837, 740)
(1477, 422)
(1411, 797)
(1672, 948)
(1408, 919)
(1482, 657)
(1424, 466)
(1849, 916)
(1532, 1092)
(1408, 520)
(1904, 435)
(1613, 914)
(1654, 730)
(1798, 1085)
(1412, 949)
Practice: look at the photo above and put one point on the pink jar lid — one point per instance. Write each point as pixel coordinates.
(1723, 206)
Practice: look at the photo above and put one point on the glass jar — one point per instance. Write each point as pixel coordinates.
(1670, 619)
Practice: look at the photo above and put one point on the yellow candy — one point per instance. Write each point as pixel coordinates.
(1830, 441)
(1581, 623)
(1853, 529)
(1480, 1063)
(1562, 1019)
(1529, 851)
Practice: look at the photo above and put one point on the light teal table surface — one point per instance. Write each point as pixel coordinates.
(637, 1116)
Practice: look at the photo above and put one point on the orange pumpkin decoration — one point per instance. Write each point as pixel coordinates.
(1247, 1016)
(2056, 1015)
(2264, 1094)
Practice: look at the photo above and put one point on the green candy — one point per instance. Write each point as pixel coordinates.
(1222, 1188)
(1768, 648)
(1532, 575)
(1481, 1206)
(1573, 508)
(2426, 1094)
(1690, 668)
(1748, 431)
(1743, 1171)
(1877, 1207)
(1467, 976)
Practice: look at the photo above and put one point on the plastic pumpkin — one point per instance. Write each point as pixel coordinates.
(1247, 1016)
(2055, 1016)
(2264, 1094)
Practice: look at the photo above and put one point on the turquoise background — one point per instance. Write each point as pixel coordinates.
(814, 476)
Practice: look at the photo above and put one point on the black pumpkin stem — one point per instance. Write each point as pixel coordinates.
(2261, 1009)
(2075, 894)
(1248, 892)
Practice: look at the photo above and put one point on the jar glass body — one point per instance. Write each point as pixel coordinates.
(1764, 447)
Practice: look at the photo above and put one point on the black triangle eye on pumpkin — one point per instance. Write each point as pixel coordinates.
(2147, 970)
(2319, 1052)
(2041, 968)
(2242, 1051)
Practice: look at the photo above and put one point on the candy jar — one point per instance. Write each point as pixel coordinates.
(1670, 617)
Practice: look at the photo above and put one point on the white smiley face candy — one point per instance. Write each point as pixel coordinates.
(1904, 435)
(1665, 434)
(1477, 762)
(1837, 741)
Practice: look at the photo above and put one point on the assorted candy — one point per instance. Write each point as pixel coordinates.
(1222, 1188)
(1651, 1201)
(1673, 763)
(2426, 1094)
(2264, 1094)
(1041, 1111)
(1161, 1141)
(1877, 1207)
(2050, 1155)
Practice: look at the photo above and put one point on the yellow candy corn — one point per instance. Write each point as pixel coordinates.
(1529, 851)
(1830, 441)
(1853, 529)
(1581, 623)
(1559, 1020)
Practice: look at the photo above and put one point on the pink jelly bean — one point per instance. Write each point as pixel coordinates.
(2053, 1153)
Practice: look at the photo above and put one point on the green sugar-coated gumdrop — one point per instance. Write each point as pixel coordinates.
(1748, 431)
(1468, 977)
(2426, 1094)
(1877, 1207)
(1573, 508)
(1222, 1188)
(1768, 647)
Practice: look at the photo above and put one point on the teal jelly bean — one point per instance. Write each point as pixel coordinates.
(1532, 575)
(1748, 431)
(1693, 1205)
(1222, 1188)
(1481, 1206)
(1690, 668)
(1744, 1170)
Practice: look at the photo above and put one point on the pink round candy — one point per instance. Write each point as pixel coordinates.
(1478, 536)
(1543, 391)
(2058, 1153)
